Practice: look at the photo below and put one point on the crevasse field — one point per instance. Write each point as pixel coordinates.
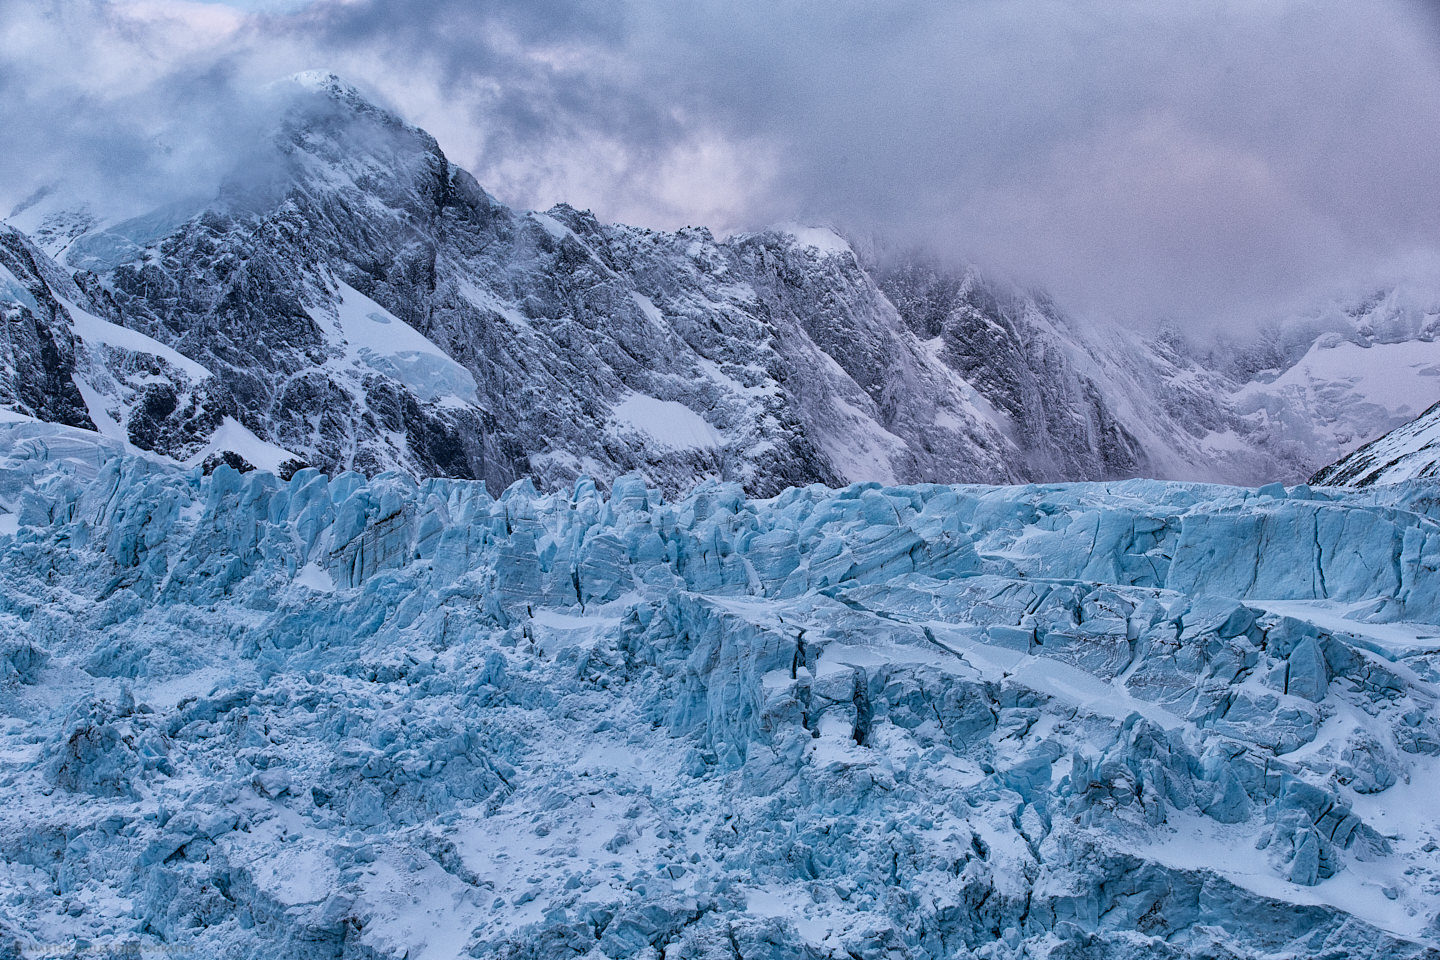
(247, 718)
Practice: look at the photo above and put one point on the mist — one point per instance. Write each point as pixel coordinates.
(1201, 164)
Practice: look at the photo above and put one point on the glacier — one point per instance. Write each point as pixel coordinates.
(248, 717)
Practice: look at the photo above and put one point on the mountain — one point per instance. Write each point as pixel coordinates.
(337, 718)
(364, 304)
(1409, 452)
(349, 299)
(683, 691)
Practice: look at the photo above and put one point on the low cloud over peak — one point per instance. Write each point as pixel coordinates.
(1208, 162)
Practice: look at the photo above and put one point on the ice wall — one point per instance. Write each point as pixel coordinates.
(332, 717)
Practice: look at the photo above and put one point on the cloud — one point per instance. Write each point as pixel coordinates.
(128, 105)
(1207, 161)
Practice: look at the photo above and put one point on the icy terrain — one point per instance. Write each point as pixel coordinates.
(248, 717)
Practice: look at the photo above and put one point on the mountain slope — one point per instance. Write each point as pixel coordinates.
(584, 342)
(1409, 452)
(350, 299)
(1095, 401)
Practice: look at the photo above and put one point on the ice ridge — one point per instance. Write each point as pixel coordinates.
(339, 717)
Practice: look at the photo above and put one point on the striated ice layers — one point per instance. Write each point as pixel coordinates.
(336, 718)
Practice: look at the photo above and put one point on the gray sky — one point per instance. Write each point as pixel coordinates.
(1208, 161)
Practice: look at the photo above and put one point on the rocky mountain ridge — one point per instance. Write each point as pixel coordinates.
(351, 299)
(1409, 452)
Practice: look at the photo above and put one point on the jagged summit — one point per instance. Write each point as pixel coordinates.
(312, 88)
(550, 345)
(327, 82)
(824, 240)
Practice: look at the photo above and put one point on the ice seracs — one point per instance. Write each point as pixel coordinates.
(331, 716)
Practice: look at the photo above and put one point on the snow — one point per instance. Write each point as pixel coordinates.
(1397, 639)
(315, 577)
(972, 404)
(666, 424)
(1227, 441)
(647, 307)
(96, 405)
(297, 876)
(486, 300)
(712, 371)
(373, 337)
(94, 330)
(554, 227)
(1068, 685)
(320, 81)
(862, 449)
(822, 240)
(1195, 844)
(234, 436)
(1392, 376)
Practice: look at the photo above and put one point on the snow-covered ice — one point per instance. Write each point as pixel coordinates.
(96, 331)
(372, 336)
(339, 717)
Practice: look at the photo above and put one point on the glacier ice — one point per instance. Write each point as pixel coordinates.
(339, 717)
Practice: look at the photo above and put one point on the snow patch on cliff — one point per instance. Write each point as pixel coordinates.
(374, 337)
(666, 423)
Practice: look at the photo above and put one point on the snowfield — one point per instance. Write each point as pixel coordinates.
(331, 717)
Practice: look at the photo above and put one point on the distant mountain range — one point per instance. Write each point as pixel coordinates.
(352, 300)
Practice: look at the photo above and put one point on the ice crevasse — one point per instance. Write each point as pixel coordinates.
(344, 717)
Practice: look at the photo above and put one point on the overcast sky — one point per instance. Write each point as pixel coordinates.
(1207, 161)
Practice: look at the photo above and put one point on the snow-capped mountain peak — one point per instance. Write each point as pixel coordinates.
(798, 359)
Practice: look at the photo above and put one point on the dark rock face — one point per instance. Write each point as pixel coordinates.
(226, 458)
(37, 349)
